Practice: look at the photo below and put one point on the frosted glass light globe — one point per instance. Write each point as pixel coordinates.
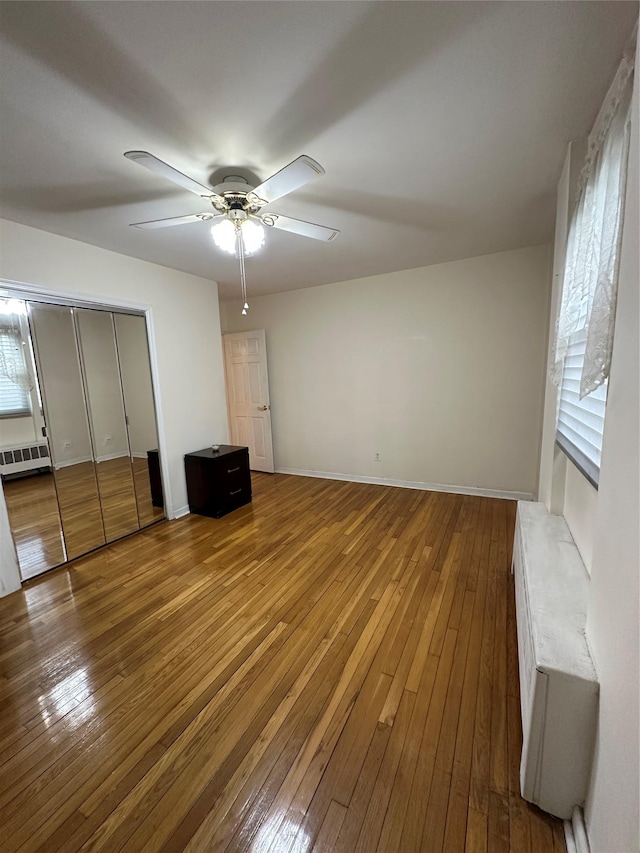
(252, 235)
(224, 236)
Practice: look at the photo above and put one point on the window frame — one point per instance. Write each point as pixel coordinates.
(587, 463)
(8, 331)
(586, 318)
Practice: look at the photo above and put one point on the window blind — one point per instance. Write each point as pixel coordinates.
(581, 422)
(14, 394)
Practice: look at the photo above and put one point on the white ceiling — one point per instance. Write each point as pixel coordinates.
(442, 126)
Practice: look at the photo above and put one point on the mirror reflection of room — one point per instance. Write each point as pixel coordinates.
(25, 463)
(137, 387)
(78, 439)
(58, 365)
(105, 407)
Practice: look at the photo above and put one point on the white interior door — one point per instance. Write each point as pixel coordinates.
(245, 356)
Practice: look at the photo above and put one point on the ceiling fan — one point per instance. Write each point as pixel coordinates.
(237, 207)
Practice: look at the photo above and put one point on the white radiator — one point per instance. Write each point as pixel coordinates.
(558, 682)
(20, 458)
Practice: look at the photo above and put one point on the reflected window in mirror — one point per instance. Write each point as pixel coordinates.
(16, 380)
(25, 465)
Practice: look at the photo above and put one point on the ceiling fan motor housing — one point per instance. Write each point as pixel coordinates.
(237, 212)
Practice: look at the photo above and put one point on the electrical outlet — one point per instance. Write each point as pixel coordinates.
(66, 445)
(376, 458)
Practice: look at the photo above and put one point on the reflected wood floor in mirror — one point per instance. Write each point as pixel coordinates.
(33, 514)
(330, 668)
(32, 504)
(117, 497)
(80, 508)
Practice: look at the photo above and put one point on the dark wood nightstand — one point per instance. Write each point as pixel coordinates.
(218, 481)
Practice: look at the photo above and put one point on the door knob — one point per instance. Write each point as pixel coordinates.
(263, 408)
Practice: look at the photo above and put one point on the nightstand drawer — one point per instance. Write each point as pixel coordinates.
(233, 471)
(231, 491)
(233, 499)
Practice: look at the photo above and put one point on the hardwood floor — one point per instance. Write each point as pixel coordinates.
(330, 668)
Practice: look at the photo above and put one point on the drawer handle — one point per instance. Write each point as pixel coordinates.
(231, 470)
(237, 492)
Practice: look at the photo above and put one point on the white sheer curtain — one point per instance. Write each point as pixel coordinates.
(15, 380)
(593, 244)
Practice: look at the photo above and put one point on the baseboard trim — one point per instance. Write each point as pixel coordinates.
(110, 457)
(575, 833)
(409, 484)
(180, 512)
(67, 463)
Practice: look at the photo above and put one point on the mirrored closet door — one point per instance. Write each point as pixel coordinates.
(135, 374)
(67, 427)
(105, 407)
(25, 462)
(84, 416)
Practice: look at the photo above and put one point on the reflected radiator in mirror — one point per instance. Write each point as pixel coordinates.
(23, 459)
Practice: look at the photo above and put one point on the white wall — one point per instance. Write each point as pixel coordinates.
(9, 572)
(16, 431)
(605, 525)
(438, 369)
(185, 333)
(612, 810)
(579, 509)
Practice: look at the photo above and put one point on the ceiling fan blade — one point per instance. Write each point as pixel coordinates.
(161, 168)
(298, 226)
(298, 173)
(176, 220)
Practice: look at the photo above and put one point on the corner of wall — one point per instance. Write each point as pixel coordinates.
(9, 572)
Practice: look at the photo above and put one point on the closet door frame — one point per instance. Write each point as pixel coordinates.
(32, 293)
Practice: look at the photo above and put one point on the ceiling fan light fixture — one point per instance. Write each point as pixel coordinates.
(252, 236)
(224, 236)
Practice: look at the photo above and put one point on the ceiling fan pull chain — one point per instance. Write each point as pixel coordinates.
(243, 280)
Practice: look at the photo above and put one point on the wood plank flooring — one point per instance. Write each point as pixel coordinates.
(331, 668)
